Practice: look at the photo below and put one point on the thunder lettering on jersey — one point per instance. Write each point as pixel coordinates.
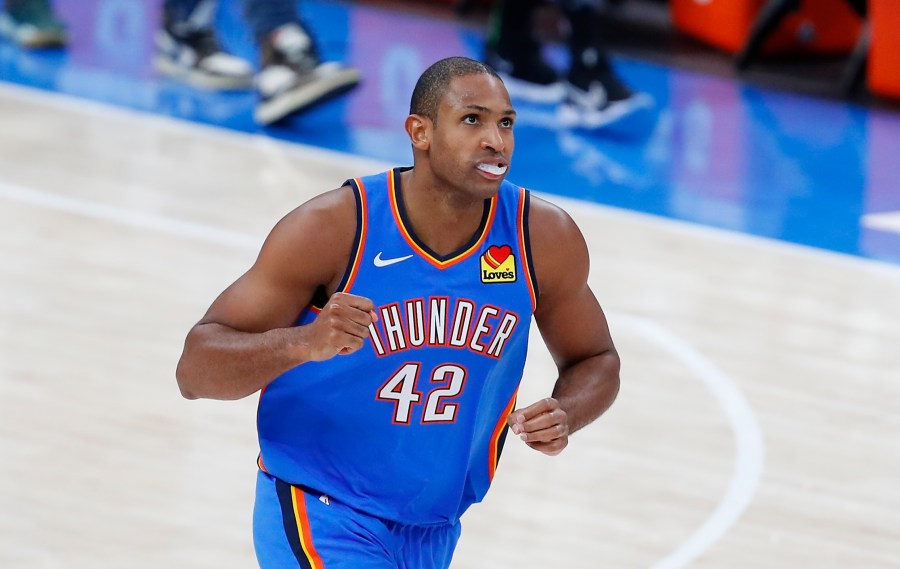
(410, 427)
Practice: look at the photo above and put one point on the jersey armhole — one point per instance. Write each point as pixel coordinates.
(525, 246)
(359, 238)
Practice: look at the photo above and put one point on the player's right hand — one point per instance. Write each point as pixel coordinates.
(341, 327)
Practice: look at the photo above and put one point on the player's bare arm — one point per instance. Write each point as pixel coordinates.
(247, 337)
(576, 333)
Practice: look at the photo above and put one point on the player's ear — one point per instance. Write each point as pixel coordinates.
(419, 130)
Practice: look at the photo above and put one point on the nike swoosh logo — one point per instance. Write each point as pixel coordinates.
(379, 262)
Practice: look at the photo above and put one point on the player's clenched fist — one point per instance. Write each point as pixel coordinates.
(341, 327)
(544, 426)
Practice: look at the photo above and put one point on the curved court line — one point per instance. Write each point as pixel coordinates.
(748, 438)
(747, 433)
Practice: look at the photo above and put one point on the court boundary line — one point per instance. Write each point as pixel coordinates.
(725, 235)
(749, 453)
(746, 431)
(65, 101)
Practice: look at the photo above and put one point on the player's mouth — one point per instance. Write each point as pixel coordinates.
(493, 168)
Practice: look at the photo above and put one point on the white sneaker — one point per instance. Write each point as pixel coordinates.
(195, 57)
(293, 79)
(532, 80)
(592, 109)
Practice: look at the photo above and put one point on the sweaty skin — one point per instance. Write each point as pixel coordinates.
(247, 337)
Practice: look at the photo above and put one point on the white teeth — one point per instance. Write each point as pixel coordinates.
(494, 169)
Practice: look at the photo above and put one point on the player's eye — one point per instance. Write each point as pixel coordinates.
(470, 119)
(506, 123)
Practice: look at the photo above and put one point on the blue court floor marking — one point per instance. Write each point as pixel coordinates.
(712, 151)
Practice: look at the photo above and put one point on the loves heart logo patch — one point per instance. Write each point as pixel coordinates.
(498, 265)
(496, 255)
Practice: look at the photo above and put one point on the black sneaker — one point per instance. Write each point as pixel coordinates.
(189, 51)
(528, 77)
(596, 97)
(293, 79)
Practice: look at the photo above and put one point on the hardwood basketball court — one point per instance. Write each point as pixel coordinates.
(757, 424)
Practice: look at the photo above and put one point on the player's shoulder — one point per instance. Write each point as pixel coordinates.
(558, 250)
(547, 220)
(337, 202)
(328, 218)
(330, 209)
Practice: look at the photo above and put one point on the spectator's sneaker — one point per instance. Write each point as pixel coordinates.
(194, 56)
(528, 77)
(32, 24)
(293, 79)
(592, 110)
(595, 97)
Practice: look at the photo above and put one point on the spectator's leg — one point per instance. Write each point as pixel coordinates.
(513, 49)
(589, 60)
(767, 21)
(265, 16)
(596, 97)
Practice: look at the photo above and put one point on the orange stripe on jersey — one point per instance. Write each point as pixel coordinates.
(523, 247)
(299, 501)
(395, 208)
(492, 261)
(499, 431)
(356, 257)
(260, 464)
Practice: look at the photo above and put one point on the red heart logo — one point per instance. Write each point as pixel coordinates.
(496, 255)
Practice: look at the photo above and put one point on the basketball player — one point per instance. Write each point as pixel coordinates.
(386, 324)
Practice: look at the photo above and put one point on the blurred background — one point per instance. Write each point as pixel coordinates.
(783, 128)
(730, 162)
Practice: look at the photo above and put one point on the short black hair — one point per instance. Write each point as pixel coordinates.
(434, 82)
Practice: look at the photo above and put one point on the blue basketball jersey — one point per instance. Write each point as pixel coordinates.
(410, 427)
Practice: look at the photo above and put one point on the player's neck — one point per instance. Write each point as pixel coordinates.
(441, 218)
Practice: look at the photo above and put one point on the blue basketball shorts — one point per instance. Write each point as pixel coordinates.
(298, 527)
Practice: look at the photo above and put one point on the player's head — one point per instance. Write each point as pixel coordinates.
(460, 125)
(433, 83)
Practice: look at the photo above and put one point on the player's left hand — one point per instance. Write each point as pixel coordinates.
(544, 426)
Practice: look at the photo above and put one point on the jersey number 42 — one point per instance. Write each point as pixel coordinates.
(400, 389)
